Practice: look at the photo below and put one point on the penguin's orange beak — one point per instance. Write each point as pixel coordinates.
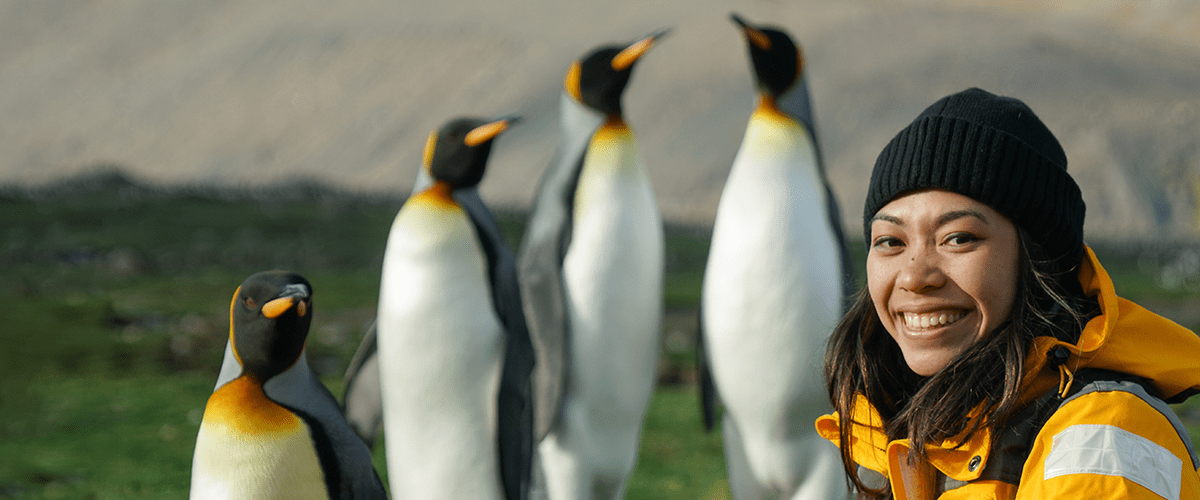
(296, 295)
(753, 35)
(624, 59)
(278, 306)
(487, 132)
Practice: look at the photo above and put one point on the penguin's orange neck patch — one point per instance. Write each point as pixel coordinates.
(438, 195)
(767, 107)
(613, 129)
(243, 406)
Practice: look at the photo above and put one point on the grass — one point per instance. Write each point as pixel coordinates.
(105, 437)
(115, 300)
(131, 437)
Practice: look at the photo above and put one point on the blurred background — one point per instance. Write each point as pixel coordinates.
(157, 152)
(344, 93)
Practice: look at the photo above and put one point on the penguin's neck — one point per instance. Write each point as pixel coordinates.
(768, 109)
(437, 195)
(777, 134)
(777, 156)
(613, 135)
(430, 227)
(610, 127)
(243, 405)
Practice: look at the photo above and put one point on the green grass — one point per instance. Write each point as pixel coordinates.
(115, 304)
(105, 437)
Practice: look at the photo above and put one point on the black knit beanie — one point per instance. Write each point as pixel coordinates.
(992, 149)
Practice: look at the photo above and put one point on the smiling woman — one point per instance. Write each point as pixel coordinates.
(989, 356)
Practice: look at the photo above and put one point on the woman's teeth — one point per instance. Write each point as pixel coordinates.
(913, 320)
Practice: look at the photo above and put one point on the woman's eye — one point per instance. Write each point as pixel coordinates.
(961, 238)
(884, 242)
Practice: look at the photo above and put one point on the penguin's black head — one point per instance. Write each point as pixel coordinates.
(457, 153)
(269, 317)
(777, 60)
(599, 79)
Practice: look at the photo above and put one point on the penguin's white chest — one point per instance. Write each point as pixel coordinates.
(249, 448)
(772, 286)
(440, 348)
(613, 274)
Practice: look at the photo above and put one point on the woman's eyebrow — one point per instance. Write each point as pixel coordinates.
(887, 218)
(954, 215)
(942, 220)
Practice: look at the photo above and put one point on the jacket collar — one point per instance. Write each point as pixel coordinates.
(1125, 338)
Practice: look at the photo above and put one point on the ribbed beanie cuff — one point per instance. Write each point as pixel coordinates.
(994, 150)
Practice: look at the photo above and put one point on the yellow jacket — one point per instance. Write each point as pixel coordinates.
(1102, 443)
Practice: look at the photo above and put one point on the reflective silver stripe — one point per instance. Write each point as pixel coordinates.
(1157, 404)
(1112, 451)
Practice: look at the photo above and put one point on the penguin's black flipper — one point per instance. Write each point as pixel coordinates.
(539, 264)
(344, 457)
(835, 223)
(543, 249)
(362, 399)
(708, 389)
(515, 405)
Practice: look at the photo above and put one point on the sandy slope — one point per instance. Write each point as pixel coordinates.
(233, 92)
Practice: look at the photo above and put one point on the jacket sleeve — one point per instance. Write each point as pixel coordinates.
(1110, 444)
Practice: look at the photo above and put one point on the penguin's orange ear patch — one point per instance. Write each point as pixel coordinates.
(430, 145)
(571, 82)
(233, 304)
(799, 64)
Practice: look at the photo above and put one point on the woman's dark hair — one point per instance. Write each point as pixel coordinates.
(862, 359)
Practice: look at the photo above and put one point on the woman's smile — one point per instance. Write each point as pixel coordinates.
(930, 321)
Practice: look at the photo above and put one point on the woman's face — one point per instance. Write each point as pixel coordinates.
(942, 271)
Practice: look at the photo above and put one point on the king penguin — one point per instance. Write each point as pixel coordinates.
(271, 430)
(454, 354)
(591, 269)
(773, 290)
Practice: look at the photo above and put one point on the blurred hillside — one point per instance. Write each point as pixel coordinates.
(223, 92)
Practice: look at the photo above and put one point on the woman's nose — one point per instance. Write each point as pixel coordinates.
(921, 274)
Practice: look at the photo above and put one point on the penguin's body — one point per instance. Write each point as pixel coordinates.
(362, 396)
(591, 274)
(440, 343)
(454, 355)
(271, 430)
(773, 291)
